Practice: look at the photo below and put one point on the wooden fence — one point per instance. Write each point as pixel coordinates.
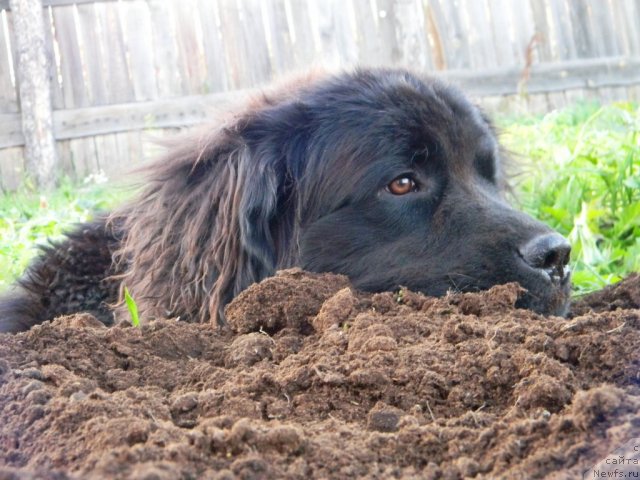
(122, 68)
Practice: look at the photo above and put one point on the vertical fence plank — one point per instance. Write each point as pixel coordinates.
(625, 36)
(94, 54)
(631, 14)
(502, 33)
(458, 51)
(600, 14)
(367, 38)
(332, 23)
(390, 51)
(164, 49)
(57, 99)
(278, 34)
(11, 168)
(231, 33)
(541, 25)
(190, 55)
(524, 33)
(581, 25)
(254, 42)
(84, 157)
(304, 49)
(73, 85)
(411, 34)
(135, 154)
(441, 39)
(138, 38)
(214, 46)
(8, 94)
(562, 30)
(118, 85)
(247, 53)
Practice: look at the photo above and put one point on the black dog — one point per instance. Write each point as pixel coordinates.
(387, 177)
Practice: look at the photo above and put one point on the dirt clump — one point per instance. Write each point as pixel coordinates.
(622, 295)
(317, 380)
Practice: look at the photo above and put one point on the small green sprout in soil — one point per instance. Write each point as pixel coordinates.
(132, 307)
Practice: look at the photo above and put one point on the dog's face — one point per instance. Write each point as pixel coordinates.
(396, 181)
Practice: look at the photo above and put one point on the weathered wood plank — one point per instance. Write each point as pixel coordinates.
(278, 35)
(119, 87)
(629, 41)
(562, 34)
(214, 46)
(552, 77)
(440, 39)
(230, 29)
(8, 94)
(244, 36)
(542, 28)
(102, 120)
(189, 47)
(454, 30)
(94, 53)
(254, 43)
(524, 30)
(11, 168)
(479, 37)
(367, 40)
(582, 30)
(83, 157)
(501, 32)
(165, 51)
(390, 52)
(301, 32)
(57, 99)
(411, 34)
(74, 90)
(169, 113)
(4, 4)
(138, 37)
(632, 18)
(605, 36)
(556, 100)
(11, 130)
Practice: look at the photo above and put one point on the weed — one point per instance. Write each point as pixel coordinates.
(132, 306)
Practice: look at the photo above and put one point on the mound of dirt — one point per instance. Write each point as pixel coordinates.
(316, 380)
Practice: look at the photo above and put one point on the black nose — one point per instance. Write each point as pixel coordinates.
(549, 252)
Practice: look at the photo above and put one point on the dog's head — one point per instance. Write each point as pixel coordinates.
(381, 175)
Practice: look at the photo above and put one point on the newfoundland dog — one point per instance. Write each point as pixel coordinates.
(382, 175)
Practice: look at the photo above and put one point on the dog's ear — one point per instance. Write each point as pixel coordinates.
(203, 229)
(246, 222)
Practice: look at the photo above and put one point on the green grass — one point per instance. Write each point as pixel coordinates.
(580, 173)
(28, 220)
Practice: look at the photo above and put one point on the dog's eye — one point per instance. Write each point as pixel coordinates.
(402, 186)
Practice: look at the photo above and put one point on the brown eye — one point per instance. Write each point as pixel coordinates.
(402, 186)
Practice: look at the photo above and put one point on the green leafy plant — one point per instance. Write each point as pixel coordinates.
(580, 173)
(132, 307)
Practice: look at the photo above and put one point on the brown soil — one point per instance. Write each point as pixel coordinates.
(319, 381)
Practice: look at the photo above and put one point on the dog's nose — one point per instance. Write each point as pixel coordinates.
(549, 252)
